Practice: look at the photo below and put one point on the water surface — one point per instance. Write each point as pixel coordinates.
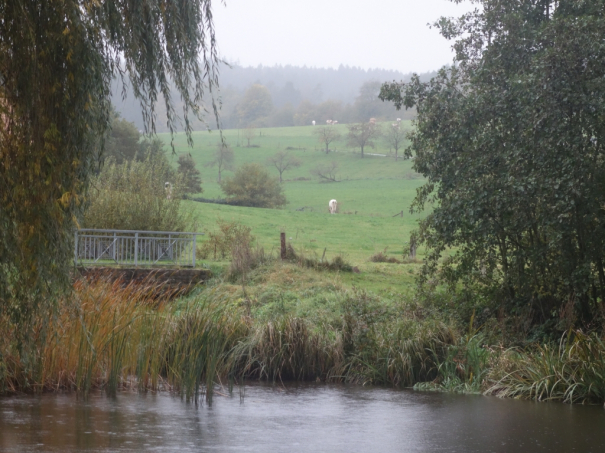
(307, 418)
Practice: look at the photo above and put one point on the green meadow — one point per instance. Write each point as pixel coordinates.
(370, 192)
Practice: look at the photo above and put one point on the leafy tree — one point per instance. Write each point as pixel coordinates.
(283, 161)
(256, 105)
(123, 141)
(192, 182)
(223, 159)
(251, 185)
(394, 136)
(326, 135)
(511, 140)
(363, 134)
(57, 63)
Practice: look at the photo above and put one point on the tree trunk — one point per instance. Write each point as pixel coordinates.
(362, 152)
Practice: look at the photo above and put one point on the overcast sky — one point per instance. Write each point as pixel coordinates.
(388, 34)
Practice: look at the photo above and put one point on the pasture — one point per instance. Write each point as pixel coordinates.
(370, 192)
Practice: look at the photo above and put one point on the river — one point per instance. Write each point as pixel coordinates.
(298, 418)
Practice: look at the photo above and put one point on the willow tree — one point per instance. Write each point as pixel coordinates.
(512, 142)
(57, 60)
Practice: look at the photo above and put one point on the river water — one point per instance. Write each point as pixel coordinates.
(302, 418)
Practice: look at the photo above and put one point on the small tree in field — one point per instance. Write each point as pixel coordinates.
(249, 134)
(363, 134)
(251, 185)
(326, 172)
(192, 182)
(326, 135)
(394, 136)
(283, 161)
(223, 159)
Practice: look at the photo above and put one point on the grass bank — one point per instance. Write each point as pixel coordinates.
(288, 323)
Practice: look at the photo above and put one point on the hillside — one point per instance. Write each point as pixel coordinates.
(370, 192)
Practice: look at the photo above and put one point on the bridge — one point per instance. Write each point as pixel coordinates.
(128, 255)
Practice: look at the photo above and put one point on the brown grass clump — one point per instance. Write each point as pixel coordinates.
(111, 337)
(381, 257)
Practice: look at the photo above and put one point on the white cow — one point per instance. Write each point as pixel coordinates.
(398, 120)
(333, 206)
(329, 122)
(168, 189)
(313, 122)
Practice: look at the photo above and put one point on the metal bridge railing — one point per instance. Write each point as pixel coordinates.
(134, 248)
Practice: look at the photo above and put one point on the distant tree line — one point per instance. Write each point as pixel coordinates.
(289, 96)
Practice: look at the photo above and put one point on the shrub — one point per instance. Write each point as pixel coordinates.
(221, 243)
(251, 185)
(132, 196)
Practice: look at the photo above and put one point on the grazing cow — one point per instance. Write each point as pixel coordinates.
(334, 122)
(398, 120)
(168, 189)
(333, 206)
(313, 122)
(329, 122)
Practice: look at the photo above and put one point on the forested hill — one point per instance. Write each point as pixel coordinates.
(291, 95)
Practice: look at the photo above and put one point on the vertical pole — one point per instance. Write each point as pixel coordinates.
(283, 245)
(113, 246)
(194, 245)
(136, 248)
(76, 250)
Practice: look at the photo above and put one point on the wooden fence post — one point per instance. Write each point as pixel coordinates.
(283, 245)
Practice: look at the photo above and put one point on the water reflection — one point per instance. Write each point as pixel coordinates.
(298, 419)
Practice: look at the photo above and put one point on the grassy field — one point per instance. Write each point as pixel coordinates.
(370, 192)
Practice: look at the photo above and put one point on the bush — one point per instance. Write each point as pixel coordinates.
(132, 196)
(221, 243)
(253, 186)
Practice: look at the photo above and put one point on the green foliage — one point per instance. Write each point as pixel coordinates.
(133, 196)
(123, 141)
(251, 185)
(511, 140)
(58, 60)
(255, 106)
(192, 182)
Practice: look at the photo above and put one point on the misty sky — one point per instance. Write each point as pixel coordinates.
(388, 34)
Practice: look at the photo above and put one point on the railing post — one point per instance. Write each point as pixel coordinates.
(194, 242)
(76, 251)
(113, 246)
(136, 248)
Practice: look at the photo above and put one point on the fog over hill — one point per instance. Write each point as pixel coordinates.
(291, 96)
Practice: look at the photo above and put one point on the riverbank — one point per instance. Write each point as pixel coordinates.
(289, 322)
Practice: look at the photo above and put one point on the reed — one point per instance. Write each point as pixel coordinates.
(111, 337)
(287, 349)
(572, 371)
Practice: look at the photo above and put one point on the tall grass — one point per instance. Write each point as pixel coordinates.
(113, 337)
(572, 371)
